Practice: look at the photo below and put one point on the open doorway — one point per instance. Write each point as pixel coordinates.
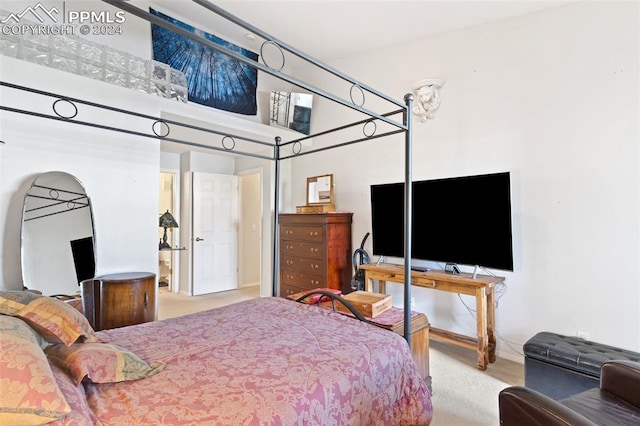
(168, 259)
(250, 228)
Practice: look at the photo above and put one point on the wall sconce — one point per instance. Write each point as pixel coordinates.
(166, 221)
(427, 98)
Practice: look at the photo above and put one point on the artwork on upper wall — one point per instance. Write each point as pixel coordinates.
(213, 78)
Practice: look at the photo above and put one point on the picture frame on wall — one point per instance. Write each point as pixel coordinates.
(213, 78)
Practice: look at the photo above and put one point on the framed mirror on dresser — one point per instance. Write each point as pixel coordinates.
(320, 195)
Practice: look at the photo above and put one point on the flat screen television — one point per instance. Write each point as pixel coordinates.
(463, 220)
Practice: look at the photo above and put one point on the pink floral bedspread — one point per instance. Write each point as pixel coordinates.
(266, 361)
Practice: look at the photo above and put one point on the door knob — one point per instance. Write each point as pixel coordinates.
(199, 239)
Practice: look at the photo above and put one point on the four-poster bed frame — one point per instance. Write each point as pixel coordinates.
(160, 127)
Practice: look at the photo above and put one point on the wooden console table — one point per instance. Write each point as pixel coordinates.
(482, 287)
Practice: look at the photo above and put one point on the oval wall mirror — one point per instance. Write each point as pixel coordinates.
(58, 238)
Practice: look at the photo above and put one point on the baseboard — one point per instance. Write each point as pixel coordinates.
(510, 356)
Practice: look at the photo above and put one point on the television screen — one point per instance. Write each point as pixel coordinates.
(464, 220)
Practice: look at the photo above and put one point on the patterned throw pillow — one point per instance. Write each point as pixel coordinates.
(100, 362)
(29, 394)
(54, 319)
(18, 328)
(12, 301)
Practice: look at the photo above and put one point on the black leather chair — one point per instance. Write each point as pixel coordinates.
(615, 402)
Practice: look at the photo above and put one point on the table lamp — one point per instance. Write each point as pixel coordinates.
(166, 221)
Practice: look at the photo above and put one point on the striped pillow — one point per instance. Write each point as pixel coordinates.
(53, 319)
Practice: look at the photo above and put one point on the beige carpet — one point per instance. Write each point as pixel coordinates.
(175, 304)
(462, 394)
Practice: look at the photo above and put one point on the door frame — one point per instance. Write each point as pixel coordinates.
(217, 276)
(241, 249)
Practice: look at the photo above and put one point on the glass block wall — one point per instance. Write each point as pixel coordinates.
(74, 54)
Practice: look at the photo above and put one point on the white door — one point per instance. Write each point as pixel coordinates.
(215, 232)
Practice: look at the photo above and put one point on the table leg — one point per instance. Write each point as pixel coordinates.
(481, 322)
(368, 282)
(491, 324)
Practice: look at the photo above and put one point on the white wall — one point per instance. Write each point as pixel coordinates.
(119, 171)
(553, 98)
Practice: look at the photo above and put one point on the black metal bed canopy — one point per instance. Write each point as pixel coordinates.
(65, 109)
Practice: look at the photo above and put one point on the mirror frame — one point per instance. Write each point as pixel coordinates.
(291, 110)
(59, 204)
(311, 190)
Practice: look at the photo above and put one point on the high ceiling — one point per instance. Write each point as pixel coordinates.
(331, 29)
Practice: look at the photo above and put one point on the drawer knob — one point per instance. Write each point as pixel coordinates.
(315, 266)
(313, 233)
(315, 282)
(314, 249)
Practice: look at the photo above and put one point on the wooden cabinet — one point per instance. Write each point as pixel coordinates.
(315, 252)
(118, 300)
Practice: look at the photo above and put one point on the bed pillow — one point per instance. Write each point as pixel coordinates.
(100, 362)
(12, 301)
(76, 397)
(53, 319)
(29, 394)
(18, 328)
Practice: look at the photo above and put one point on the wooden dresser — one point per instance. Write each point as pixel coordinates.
(118, 300)
(315, 252)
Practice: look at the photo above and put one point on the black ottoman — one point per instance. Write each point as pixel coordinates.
(560, 366)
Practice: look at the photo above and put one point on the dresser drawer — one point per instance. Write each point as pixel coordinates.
(302, 233)
(303, 264)
(303, 249)
(302, 280)
(288, 290)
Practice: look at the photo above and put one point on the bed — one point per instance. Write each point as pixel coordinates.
(257, 362)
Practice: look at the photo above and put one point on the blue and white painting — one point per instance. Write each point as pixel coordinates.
(213, 78)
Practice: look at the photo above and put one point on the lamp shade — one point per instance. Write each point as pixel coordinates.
(167, 220)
